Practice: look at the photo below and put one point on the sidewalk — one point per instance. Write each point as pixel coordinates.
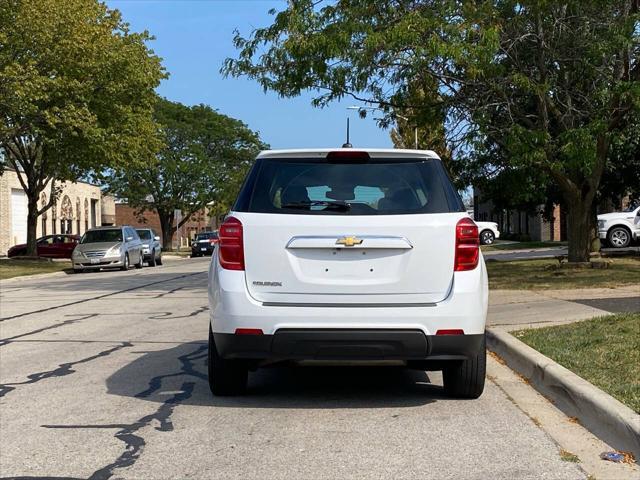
(518, 309)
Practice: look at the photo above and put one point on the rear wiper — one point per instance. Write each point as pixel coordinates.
(335, 205)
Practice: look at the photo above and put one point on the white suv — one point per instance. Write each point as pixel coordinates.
(348, 255)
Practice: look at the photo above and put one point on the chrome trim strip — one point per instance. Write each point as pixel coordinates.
(362, 237)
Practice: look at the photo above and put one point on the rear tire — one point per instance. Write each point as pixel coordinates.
(125, 267)
(226, 377)
(466, 379)
(159, 260)
(140, 263)
(152, 259)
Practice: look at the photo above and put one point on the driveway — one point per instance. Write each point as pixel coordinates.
(104, 375)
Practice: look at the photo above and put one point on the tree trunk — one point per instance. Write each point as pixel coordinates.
(580, 224)
(166, 224)
(32, 225)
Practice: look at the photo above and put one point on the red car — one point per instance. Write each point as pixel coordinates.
(51, 246)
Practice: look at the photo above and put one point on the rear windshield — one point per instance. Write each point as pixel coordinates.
(206, 236)
(96, 236)
(144, 234)
(377, 187)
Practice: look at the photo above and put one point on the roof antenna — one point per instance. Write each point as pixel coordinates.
(347, 144)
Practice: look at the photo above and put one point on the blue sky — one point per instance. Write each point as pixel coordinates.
(194, 37)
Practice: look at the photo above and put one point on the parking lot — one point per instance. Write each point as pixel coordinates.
(104, 375)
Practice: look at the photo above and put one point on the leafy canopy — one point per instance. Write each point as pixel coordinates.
(203, 161)
(76, 87)
(535, 83)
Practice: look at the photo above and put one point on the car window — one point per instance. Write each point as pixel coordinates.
(106, 235)
(380, 187)
(130, 232)
(144, 234)
(205, 236)
(45, 241)
(69, 239)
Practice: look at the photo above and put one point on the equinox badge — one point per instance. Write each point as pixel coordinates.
(349, 241)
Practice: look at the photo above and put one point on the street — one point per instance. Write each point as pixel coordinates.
(104, 374)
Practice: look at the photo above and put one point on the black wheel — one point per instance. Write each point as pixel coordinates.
(152, 259)
(226, 377)
(194, 255)
(77, 270)
(125, 267)
(159, 260)
(619, 237)
(466, 379)
(487, 237)
(140, 263)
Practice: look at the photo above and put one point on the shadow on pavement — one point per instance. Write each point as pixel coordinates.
(155, 376)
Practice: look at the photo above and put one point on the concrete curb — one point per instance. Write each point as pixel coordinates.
(603, 415)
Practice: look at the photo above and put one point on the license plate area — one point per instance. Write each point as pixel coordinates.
(94, 261)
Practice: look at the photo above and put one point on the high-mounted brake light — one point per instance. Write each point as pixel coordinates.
(231, 245)
(467, 245)
(348, 156)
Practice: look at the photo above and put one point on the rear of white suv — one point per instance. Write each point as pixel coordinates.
(348, 255)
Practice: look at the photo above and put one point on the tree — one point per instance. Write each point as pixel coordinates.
(202, 164)
(548, 84)
(76, 93)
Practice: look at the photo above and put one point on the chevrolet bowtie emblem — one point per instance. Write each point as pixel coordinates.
(349, 241)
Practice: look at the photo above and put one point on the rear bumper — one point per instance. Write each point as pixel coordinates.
(208, 250)
(348, 344)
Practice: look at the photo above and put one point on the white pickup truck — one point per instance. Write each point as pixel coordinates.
(620, 228)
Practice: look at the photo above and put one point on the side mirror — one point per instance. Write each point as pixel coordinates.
(156, 238)
(128, 239)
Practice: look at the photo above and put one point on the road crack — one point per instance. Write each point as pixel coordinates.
(129, 433)
(62, 370)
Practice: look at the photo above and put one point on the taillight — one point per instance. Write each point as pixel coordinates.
(467, 245)
(230, 244)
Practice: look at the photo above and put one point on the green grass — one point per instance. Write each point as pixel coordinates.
(17, 268)
(568, 457)
(604, 351)
(544, 274)
(521, 246)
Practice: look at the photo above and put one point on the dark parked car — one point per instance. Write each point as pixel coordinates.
(50, 246)
(204, 244)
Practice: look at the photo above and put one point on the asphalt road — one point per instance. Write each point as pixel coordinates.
(103, 375)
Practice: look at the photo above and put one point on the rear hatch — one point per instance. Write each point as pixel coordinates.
(349, 230)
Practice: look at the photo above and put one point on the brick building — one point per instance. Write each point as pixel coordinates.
(535, 227)
(79, 207)
(201, 221)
